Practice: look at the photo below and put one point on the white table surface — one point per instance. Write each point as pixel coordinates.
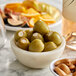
(9, 66)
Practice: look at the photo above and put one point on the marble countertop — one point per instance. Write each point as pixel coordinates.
(9, 66)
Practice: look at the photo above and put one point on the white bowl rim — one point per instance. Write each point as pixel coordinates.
(52, 64)
(38, 53)
(55, 24)
(50, 26)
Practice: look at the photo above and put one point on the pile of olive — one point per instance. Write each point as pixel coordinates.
(40, 39)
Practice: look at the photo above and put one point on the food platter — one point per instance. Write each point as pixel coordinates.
(52, 26)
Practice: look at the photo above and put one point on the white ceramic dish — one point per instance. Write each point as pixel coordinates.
(56, 26)
(37, 60)
(53, 62)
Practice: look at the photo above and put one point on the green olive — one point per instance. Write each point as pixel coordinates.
(53, 36)
(29, 34)
(56, 38)
(23, 43)
(41, 27)
(48, 36)
(36, 46)
(49, 46)
(37, 36)
(20, 34)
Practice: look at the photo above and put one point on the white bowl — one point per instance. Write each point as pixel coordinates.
(52, 66)
(37, 60)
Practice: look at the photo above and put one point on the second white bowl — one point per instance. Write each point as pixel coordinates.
(52, 66)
